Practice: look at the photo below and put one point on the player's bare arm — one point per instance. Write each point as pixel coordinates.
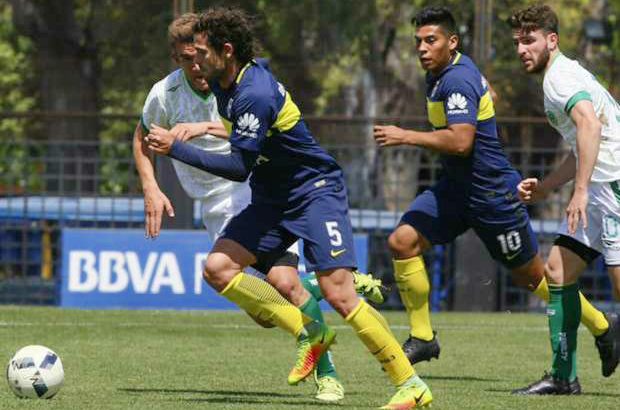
(155, 201)
(457, 139)
(187, 131)
(588, 141)
(532, 190)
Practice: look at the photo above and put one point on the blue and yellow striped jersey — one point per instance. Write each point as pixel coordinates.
(460, 95)
(261, 116)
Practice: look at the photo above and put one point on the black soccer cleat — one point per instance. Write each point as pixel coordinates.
(549, 385)
(418, 350)
(608, 345)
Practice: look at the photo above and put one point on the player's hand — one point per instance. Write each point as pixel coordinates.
(187, 131)
(155, 203)
(159, 140)
(530, 190)
(389, 135)
(576, 211)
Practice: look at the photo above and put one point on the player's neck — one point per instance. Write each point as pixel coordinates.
(552, 56)
(453, 56)
(230, 74)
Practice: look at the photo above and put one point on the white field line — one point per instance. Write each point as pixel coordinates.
(472, 327)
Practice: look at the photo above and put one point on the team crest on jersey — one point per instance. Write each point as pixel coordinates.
(457, 104)
(281, 89)
(435, 88)
(247, 125)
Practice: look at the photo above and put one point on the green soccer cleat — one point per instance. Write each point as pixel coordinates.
(369, 287)
(410, 396)
(328, 389)
(310, 347)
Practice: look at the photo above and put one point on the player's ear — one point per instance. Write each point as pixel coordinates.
(453, 42)
(228, 50)
(552, 41)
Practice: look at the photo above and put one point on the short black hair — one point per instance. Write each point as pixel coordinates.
(537, 16)
(228, 25)
(435, 15)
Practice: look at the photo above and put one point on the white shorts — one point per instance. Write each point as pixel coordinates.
(603, 212)
(218, 210)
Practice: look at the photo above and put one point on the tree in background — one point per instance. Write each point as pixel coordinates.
(345, 58)
(15, 96)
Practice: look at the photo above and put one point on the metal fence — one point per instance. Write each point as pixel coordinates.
(49, 182)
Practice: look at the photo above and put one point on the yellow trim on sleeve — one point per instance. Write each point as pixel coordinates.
(288, 116)
(486, 109)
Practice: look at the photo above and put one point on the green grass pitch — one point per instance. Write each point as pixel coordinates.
(221, 360)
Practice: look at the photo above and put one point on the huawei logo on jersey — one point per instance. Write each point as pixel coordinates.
(457, 104)
(247, 125)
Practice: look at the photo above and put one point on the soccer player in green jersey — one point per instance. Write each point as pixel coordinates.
(588, 119)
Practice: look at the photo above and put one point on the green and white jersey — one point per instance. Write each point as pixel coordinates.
(172, 101)
(566, 82)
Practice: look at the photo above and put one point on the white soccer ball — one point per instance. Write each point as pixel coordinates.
(35, 372)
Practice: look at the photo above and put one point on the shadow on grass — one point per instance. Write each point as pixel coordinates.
(214, 392)
(240, 397)
(268, 403)
(459, 378)
(585, 394)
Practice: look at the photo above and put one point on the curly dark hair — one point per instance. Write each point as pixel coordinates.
(435, 15)
(228, 25)
(537, 16)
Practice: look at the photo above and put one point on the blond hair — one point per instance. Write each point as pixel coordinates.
(181, 30)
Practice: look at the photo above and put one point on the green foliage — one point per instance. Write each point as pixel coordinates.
(319, 48)
(16, 170)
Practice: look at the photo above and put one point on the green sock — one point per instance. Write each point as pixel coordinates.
(564, 312)
(311, 283)
(325, 367)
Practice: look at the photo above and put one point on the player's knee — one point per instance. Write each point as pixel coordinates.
(404, 245)
(530, 275)
(554, 273)
(218, 272)
(524, 281)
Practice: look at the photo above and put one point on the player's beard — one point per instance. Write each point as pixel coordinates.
(541, 64)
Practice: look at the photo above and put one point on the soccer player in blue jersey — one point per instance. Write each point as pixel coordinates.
(478, 189)
(298, 191)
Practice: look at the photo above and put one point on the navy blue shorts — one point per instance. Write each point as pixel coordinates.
(443, 212)
(322, 222)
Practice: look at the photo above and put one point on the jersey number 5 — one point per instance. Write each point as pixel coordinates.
(335, 237)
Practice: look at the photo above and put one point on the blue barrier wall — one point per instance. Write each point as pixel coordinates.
(119, 268)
